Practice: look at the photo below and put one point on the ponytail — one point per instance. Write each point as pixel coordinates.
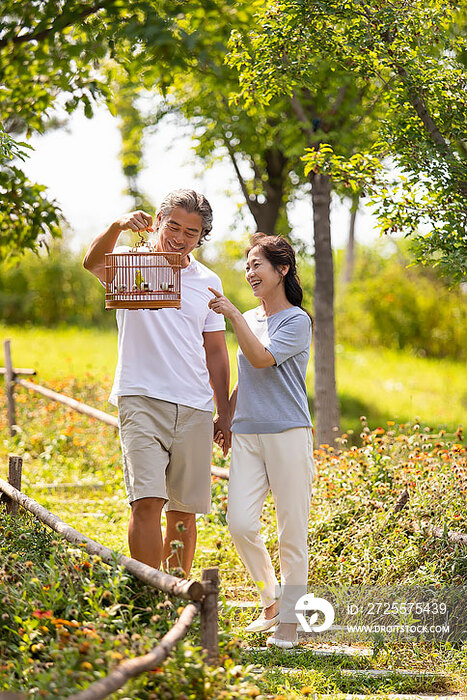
(292, 288)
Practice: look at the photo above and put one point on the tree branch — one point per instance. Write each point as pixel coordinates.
(302, 117)
(256, 170)
(60, 23)
(375, 102)
(341, 93)
(251, 203)
(417, 101)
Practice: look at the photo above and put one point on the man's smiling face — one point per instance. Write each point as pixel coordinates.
(179, 232)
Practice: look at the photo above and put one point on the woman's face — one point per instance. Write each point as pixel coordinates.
(261, 275)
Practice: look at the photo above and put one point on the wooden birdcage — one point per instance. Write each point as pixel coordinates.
(140, 279)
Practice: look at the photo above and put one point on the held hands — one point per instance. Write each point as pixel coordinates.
(135, 221)
(221, 305)
(222, 423)
(222, 434)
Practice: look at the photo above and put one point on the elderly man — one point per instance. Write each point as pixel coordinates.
(170, 363)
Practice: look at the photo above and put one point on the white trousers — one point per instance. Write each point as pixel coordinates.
(282, 463)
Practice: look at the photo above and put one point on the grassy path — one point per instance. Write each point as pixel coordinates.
(354, 538)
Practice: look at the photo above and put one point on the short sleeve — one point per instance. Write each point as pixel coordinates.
(214, 322)
(291, 337)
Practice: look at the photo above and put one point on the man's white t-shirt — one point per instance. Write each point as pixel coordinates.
(161, 353)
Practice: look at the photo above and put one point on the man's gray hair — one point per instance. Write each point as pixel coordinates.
(192, 202)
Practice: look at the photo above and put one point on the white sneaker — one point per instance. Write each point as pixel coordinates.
(281, 643)
(261, 624)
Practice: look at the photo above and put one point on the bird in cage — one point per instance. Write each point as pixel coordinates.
(143, 280)
(139, 280)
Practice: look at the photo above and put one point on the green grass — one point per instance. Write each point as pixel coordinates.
(63, 352)
(379, 384)
(354, 537)
(388, 384)
(67, 619)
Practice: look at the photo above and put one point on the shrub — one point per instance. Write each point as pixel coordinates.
(389, 302)
(51, 289)
(397, 305)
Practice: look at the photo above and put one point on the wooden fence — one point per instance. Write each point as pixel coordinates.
(202, 595)
(12, 377)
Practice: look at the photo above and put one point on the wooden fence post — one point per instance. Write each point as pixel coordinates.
(210, 615)
(15, 466)
(10, 387)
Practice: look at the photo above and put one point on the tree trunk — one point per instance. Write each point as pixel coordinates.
(350, 252)
(267, 212)
(326, 403)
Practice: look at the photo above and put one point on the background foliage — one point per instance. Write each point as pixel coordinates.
(413, 53)
(67, 54)
(389, 303)
(50, 290)
(395, 304)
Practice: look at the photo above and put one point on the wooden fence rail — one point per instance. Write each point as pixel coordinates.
(134, 667)
(71, 403)
(189, 590)
(203, 595)
(12, 378)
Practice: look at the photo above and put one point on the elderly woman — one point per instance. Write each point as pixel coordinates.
(272, 443)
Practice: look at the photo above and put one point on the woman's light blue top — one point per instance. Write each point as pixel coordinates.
(273, 399)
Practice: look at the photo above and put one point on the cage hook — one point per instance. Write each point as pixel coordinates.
(141, 242)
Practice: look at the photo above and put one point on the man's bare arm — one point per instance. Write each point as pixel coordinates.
(217, 361)
(94, 260)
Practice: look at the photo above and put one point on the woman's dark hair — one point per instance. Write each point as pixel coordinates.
(279, 252)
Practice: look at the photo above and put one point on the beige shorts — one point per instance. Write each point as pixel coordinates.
(167, 451)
